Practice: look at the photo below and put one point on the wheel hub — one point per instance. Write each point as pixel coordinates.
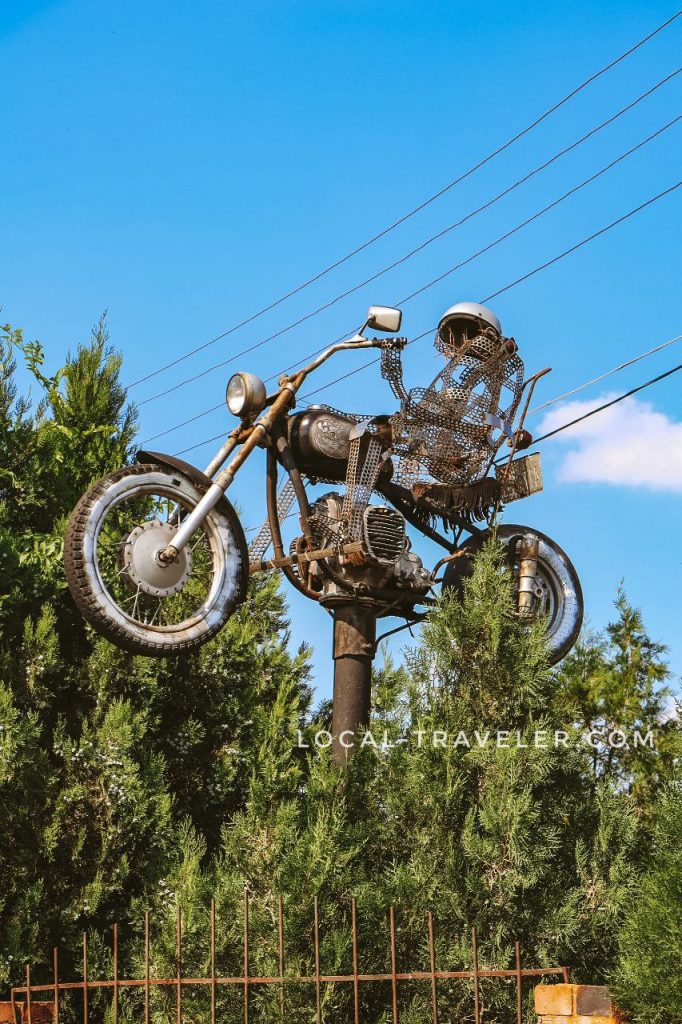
(142, 566)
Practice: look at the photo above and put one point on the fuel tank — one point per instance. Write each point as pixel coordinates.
(320, 442)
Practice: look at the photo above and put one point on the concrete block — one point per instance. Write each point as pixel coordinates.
(592, 1000)
(554, 1000)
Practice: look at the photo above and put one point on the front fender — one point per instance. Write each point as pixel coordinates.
(173, 462)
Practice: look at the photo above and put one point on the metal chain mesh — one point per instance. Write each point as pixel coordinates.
(364, 462)
(444, 433)
(261, 542)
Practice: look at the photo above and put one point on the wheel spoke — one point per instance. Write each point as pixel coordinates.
(158, 609)
(129, 584)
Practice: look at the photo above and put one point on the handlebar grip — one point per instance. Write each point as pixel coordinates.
(390, 343)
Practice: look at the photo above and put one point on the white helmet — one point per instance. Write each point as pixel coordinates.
(463, 322)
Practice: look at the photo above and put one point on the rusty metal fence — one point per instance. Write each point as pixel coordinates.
(23, 1009)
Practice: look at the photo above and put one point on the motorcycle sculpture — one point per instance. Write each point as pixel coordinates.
(157, 560)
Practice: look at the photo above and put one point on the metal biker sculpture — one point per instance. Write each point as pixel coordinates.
(157, 561)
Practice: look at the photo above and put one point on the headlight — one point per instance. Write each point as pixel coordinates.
(245, 395)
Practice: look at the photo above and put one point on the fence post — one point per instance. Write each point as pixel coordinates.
(85, 978)
(432, 960)
(178, 966)
(474, 946)
(356, 993)
(394, 980)
(115, 979)
(246, 956)
(28, 994)
(55, 971)
(318, 1003)
(146, 967)
(280, 936)
(213, 981)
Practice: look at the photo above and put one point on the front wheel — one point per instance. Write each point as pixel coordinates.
(111, 549)
(557, 591)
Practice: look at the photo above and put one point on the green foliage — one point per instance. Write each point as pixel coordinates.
(516, 840)
(108, 762)
(648, 981)
(616, 684)
(131, 785)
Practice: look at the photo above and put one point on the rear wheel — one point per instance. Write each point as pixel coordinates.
(557, 591)
(111, 555)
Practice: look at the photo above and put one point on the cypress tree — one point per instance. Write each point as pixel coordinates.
(108, 762)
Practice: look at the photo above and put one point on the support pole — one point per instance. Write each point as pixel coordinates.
(354, 645)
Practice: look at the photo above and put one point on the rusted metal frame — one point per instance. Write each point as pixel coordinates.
(286, 458)
(448, 558)
(235, 436)
(261, 428)
(401, 499)
(394, 976)
(397, 629)
(303, 979)
(530, 385)
(475, 975)
(352, 548)
(318, 999)
(239, 979)
(357, 342)
(275, 526)
(432, 963)
(271, 502)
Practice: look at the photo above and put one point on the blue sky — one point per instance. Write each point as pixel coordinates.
(184, 164)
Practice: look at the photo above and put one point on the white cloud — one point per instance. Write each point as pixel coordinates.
(628, 445)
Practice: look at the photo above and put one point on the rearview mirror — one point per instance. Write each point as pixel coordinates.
(384, 318)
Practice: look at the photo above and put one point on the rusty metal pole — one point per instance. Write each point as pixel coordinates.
(354, 648)
(529, 549)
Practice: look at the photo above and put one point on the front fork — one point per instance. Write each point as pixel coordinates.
(529, 549)
(216, 491)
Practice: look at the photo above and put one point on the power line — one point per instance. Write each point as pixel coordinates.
(524, 277)
(417, 209)
(423, 245)
(604, 376)
(541, 213)
(607, 405)
(458, 266)
(543, 266)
